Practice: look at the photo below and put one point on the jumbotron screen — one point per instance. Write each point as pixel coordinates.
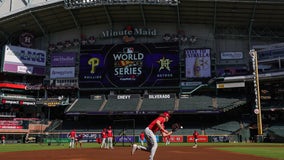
(129, 65)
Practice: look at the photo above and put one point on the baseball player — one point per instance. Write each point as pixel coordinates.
(195, 138)
(109, 138)
(79, 140)
(104, 137)
(3, 138)
(142, 137)
(72, 136)
(150, 130)
(168, 139)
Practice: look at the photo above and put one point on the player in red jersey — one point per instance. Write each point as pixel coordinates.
(79, 140)
(109, 138)
(166, 138)
(153, 127)
(195, 138)
(72, 136)
(142, 138)
(3, 139)
(104, 137)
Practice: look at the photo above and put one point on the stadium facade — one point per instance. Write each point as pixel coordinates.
(70, 62)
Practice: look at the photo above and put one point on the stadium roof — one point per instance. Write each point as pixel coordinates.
(235, 18)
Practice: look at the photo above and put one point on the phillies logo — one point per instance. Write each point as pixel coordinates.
(26, 39)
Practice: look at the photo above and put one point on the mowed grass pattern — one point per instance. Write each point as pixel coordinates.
(269, 150)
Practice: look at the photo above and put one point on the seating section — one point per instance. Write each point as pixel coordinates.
(195, 103)
(122, 102)
(273, 104)
(158, 102)
(153, 102)
(277, 129)
(223, 128)
(233, 104)
(87, 104)
(225, 102)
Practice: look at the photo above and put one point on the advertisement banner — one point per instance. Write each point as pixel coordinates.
(197, 63)
(63, 59)
(231, 70)
(24, 60)
(19, 102)
(201, 138)
(129, 65)
(124, 139)
(89, 137)
(174, 139)
(219, 139)
(10, 127)
(62, 72)
(231, 55)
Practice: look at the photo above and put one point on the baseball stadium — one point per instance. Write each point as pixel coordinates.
(213, 66)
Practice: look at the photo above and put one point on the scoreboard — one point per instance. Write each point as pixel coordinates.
(129, 65)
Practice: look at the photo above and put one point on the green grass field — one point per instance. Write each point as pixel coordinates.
(270, 150)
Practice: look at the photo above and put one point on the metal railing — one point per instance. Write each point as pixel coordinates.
(72, 4)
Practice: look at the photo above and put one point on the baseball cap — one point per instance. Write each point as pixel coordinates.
(166, 114)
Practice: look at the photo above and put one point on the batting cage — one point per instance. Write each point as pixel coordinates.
(124, 132)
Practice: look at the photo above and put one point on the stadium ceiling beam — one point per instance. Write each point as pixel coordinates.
(251, 23)
(4, 35)
(178, 17)
(74, 19)
(37, 22)
(214, 18)
(247, 1)
(143, 14)
(108, 16)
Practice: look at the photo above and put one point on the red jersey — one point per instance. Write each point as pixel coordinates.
(3, 138)
(142, 136)
(104, 135)
(80, 137)
(195, 134)
(153, 126)
(109, 133)
(72, 134)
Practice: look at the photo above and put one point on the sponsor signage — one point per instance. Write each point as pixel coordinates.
(24, 60)
(129, 65)
(231, 55)
(63, 60)
(10, 123)
(12, 85)
(20, 102)
(124, 96)
(177, 139)
(10, 127)
(231, 85)
(160, 96)
(231, 70)
(124, 139)
(62, 72)
(218, 139)
(201, 138)
(272, 51)
(197, 63)
(51, 103)
(129, 31)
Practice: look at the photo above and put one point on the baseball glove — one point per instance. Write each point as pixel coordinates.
(175, 127)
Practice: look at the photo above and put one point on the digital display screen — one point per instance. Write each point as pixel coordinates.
(129, 65)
